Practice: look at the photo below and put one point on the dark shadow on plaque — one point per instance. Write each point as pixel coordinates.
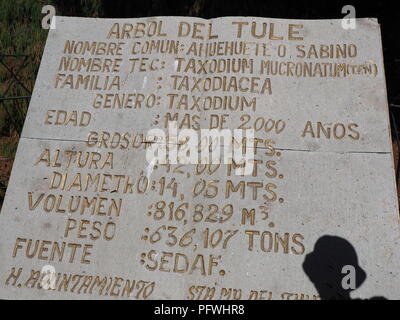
(324, 268)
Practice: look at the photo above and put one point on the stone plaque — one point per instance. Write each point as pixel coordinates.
(87, 215)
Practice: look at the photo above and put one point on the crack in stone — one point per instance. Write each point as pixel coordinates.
(343, 152)
(257, 147)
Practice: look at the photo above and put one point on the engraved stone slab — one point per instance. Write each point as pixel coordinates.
(86, 216)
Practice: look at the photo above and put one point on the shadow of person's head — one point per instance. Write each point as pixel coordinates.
(324, 267)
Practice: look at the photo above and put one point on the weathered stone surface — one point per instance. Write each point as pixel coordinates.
(325, 169)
